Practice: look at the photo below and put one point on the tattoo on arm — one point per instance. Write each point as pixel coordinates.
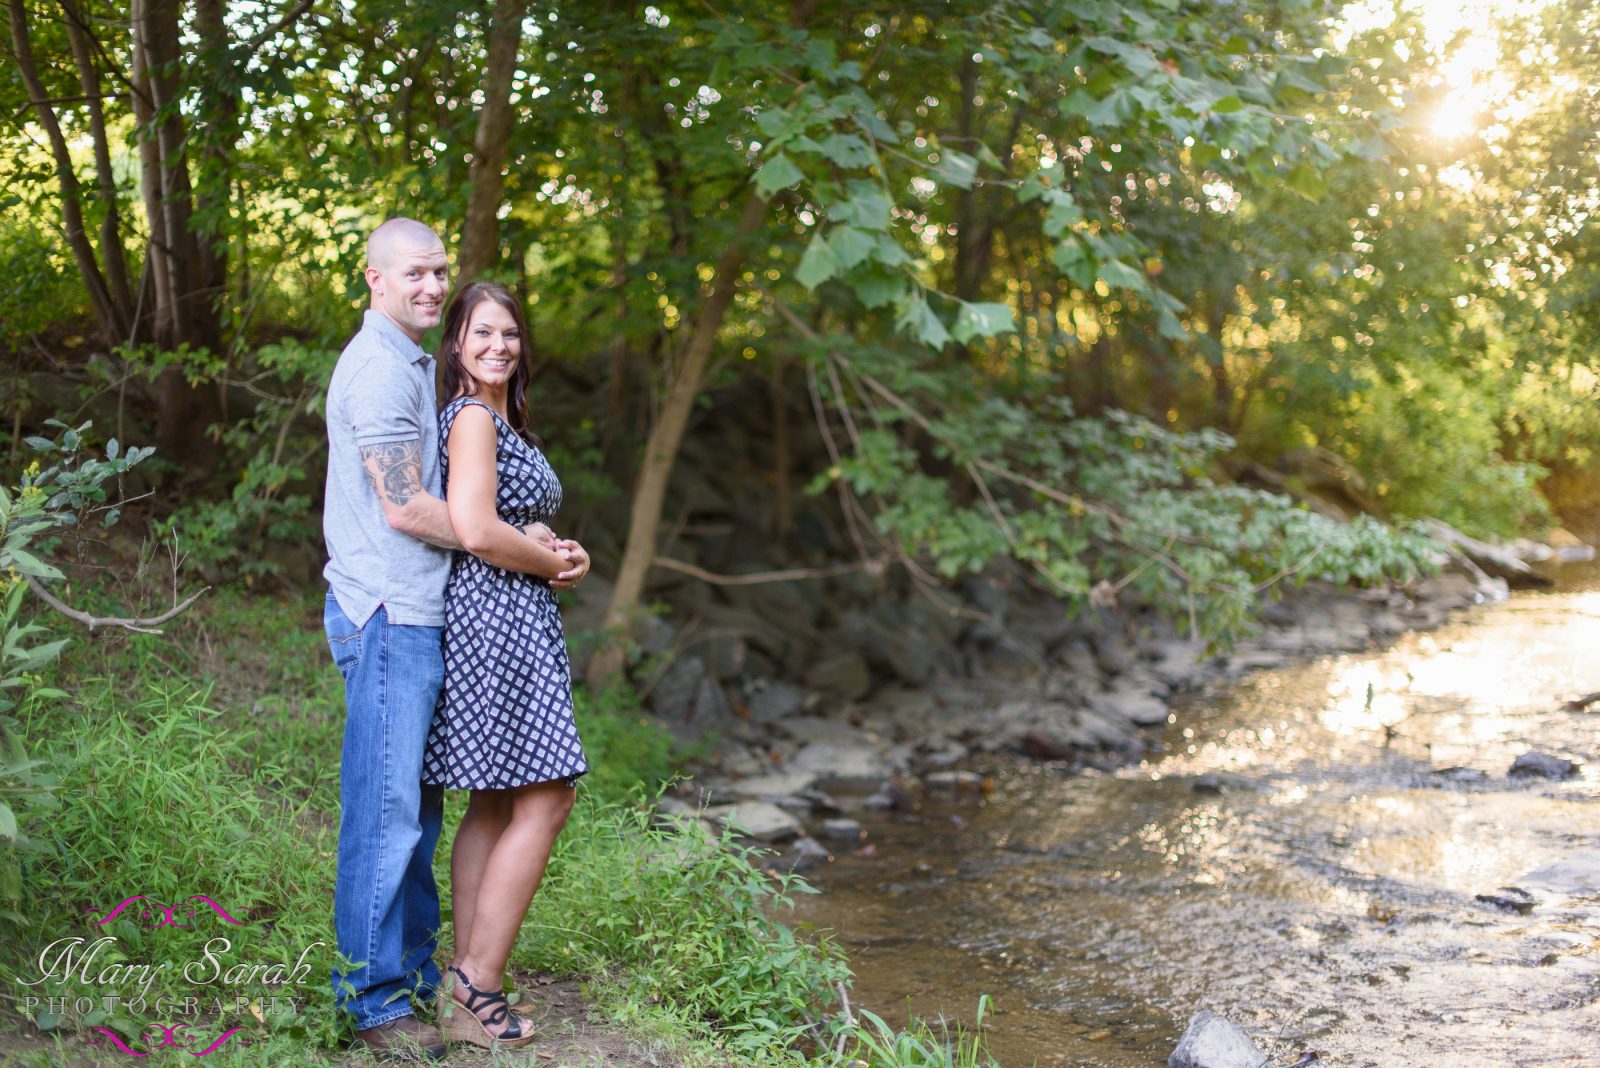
(395, 468)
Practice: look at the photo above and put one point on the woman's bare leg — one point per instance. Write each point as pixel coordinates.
(507, 881)
(488, 813)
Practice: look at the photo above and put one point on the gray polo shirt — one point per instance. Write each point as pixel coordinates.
(381, 392)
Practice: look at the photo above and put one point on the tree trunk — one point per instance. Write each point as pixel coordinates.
(185, 311)
(111, 249)
(480, 237)
(661, 451)
(113, 322)
(219, 136)
(782, 496)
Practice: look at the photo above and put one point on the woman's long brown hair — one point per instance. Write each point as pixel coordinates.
(457, 382)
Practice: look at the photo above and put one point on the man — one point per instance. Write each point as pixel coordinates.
(388, 537)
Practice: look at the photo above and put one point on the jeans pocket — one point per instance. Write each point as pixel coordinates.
(344, 637)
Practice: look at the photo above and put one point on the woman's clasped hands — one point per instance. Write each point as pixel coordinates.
(576, 555)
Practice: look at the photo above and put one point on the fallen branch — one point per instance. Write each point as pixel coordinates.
(757, 577)
(849, 1018)
(1580, 704)
(141, 625)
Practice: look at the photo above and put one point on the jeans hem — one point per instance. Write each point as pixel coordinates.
(380, 1019)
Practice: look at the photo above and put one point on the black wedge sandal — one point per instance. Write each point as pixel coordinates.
(459, 1026)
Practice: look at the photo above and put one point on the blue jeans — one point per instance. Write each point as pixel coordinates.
(385, 902)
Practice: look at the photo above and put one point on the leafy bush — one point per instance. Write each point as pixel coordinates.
(877, 1045)
(63, 495)
(165, 804)
(684, 922)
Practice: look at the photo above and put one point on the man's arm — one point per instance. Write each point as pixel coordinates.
(395, 468)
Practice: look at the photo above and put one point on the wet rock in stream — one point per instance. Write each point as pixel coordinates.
(1213, 1042)
(1510, 899)
(1536, 765)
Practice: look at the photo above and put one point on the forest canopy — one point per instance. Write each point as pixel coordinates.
(1110, 288)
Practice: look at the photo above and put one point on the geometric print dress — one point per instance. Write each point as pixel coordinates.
(504, 717)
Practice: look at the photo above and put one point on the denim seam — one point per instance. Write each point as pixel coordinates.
(379, 1021)
(381, 657)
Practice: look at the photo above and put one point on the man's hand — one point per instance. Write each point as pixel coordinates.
(578, 561)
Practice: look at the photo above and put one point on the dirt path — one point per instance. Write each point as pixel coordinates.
(570, 1036)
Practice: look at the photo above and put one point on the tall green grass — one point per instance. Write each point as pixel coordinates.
(207, 763)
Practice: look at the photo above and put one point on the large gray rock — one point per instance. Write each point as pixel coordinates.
(843, 672)
(673, 697)
(904, 652)
(843, 769)
(1577, 874)
(808, 729)
(767, 787)
(1537, 765)
(1136, 705)
(711, 710)
(757, 819)
(775, 702)
(1212, 1042)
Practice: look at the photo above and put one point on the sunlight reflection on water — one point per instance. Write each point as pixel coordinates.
(1328, 896)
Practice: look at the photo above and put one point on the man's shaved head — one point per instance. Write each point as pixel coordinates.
(396, 236)
(409, 275)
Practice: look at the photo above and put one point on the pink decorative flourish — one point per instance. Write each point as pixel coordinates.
(221, 912)
(169, 1040)
(168, 1037)
(218, 1043)
(170, 914)
(112, 1035)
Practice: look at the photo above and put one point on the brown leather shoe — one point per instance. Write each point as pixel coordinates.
(405, 1038)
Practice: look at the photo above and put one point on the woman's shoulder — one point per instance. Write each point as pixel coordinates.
(481, 416)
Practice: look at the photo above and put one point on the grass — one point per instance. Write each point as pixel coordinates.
(206, 762)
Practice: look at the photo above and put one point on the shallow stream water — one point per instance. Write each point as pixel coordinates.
(1325, 899)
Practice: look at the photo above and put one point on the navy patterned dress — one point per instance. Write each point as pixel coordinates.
(505, 715)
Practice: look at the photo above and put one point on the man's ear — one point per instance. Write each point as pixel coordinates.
(373, 276)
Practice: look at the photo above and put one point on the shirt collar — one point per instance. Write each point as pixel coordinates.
(376, 320)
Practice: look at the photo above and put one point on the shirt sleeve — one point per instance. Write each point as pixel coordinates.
(383, 406)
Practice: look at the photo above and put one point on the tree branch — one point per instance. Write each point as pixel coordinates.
(144, 625)
(290, 17)
(758, 577)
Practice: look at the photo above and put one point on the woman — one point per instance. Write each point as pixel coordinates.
(504, 726)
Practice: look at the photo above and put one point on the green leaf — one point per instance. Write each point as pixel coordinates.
(850, 246)
(1373, 148)
(1119, 275)
(981, 320)
(890, 254)
(1307, 180)
(922, 322)
(778, 124)
(1113, 108)
(1074, 261)
(956, 168)
(847, 150)
(868, 206)
(8, 823)
(817, 265)
(1076, 102)
(879, 290)
(779, 173)
(1064, 213)
(28, 564)
(1228, 104)
(1202, 154)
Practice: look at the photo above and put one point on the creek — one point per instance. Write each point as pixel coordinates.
(1301, 852)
